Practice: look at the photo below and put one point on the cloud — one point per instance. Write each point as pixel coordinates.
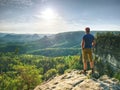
(109, 27)
(42, 26)
(16, 2)
(45, 0)
(20, 2)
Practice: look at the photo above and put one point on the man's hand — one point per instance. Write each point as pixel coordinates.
(93, 43)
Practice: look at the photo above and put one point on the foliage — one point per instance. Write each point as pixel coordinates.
(74, 62)
(108, 42)
(27, 71)
(50, 73)
(117, 75)
(29, 75)
(54, 52)
(61, 68)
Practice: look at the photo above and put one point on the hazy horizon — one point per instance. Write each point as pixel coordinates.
(61, 32)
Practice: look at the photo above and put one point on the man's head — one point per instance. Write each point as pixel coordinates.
(87, 29)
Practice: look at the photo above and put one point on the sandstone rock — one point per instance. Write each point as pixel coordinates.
(74, 80)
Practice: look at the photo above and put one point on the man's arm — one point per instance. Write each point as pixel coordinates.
(93, 43)
(83, 43)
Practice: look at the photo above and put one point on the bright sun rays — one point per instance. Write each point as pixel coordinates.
(48, 14)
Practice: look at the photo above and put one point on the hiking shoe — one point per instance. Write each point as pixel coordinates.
(84, 72)
(93, 71)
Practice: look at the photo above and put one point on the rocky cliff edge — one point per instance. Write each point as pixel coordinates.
(74, 80)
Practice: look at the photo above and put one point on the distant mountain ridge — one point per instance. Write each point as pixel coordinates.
(33, 43)
(20, 37)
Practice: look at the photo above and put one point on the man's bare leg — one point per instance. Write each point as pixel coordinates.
(92, 66)
(85, 66)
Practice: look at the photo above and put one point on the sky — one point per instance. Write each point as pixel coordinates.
(56, 16)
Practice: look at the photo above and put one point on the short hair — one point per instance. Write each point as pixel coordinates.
(87, 29)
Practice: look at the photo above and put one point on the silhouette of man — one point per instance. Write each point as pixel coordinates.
(87, 43)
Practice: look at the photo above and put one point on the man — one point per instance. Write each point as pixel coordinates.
(87, 43)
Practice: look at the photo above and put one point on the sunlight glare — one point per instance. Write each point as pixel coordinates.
(49, 14)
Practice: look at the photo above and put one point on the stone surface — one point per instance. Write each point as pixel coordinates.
(75, 80)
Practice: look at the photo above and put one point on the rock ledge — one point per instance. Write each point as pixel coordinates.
(74, 80)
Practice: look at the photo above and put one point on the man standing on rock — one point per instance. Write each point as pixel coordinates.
(87, 43)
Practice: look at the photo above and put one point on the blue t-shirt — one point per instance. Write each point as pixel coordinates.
(88, 38)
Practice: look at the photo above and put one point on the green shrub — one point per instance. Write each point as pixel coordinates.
(61, 68)
(50, 73)
(117, 76)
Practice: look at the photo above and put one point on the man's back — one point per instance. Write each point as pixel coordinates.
(88, 38)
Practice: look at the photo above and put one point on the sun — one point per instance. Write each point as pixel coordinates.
(49, 14)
